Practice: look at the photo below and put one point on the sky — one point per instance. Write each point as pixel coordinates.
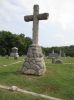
(58, 30)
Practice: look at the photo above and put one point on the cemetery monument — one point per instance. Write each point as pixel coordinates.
(34, 62)
(60, 53)
(14, 52)
(55, 57)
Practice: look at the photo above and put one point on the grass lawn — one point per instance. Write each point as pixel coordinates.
(5, 61)
(58, 80)
(68, 59)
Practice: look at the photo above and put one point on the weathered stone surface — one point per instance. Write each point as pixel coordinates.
(55, 57)
(34, 64)
(35, 18)
(14, 53)
(30, 71)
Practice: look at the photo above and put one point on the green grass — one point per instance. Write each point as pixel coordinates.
(58, 80)
(5, 61)
(68, 59)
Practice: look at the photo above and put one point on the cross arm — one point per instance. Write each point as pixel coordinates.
(28, 18)
(43, 16)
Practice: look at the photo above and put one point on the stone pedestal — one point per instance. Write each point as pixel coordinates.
(34, 63)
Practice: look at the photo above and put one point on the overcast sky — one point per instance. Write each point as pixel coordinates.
(58, 30)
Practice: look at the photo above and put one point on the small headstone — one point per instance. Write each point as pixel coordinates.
(14, 53)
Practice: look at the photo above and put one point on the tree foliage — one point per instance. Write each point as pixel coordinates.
(67, 50)
(9, 40)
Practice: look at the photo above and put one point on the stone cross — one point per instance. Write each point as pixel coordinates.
(35, 18)
(34, 62)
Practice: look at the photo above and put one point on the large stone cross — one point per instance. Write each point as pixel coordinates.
(35, 18)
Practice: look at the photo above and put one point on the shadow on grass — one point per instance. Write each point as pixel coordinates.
(10, 73)
(17, 73)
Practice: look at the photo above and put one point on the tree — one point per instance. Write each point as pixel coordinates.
(9, 40)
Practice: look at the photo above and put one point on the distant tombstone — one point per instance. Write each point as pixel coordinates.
(64, 55)
(60, 53)
(53, 54)
(14, 53)
(55, 57)
(34, 63)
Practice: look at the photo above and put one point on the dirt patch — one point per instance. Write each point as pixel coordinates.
(52, 88)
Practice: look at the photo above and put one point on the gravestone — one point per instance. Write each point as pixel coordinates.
(60, 53)
(53, 54)
(14, 53)
(34, 62)
(63, 54)
(55, 57)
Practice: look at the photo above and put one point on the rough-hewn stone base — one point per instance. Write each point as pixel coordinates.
(34, 62)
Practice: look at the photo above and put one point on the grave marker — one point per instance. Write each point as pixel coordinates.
(34, 62)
